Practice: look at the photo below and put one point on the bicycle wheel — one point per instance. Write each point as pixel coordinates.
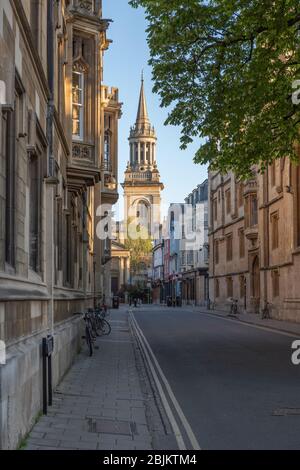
(94, 327)
(98, 325)
(89, 340)
(105, 327)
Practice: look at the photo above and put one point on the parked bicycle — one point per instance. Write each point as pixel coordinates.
(95, 325)
(266, 311)
(90, 335)
(234, 307)
(102, 325)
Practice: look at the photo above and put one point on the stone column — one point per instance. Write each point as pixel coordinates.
(131, 154)
(143, 153)
(150, 154)
(139, 153)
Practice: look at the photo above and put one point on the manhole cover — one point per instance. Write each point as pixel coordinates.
(286, 412)
(108, 426)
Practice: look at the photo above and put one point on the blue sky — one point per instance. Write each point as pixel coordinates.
(123, 63)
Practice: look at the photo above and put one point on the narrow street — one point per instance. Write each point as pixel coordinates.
(234, 382)
(180, 378)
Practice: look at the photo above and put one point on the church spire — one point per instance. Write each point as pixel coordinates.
(142, 139)
(142, 118)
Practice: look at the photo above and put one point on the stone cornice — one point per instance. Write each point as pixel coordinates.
(76, 16)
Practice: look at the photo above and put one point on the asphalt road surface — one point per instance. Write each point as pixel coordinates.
(235, 383)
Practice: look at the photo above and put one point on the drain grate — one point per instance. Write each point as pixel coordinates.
(109, 426)
(287, 412)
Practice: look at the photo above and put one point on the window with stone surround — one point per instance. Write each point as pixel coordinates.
(241, 242)
(251, 210)
(242, 286)
(229, 247)
(274, 219)
(240, 194)
(190, 257)
(34, 210)
(68, 250)
(9, 150)
(215, 209)
(58, 237)
(107, 150)
(228, 201)
(83, 87)
(273, 173)
(275, 283)
(78, 105)
(217, 251)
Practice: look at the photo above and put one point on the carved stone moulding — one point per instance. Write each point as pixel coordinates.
(86, 5)
(82, 152)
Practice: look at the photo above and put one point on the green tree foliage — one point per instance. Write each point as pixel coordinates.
(140, 246)
(226, 68)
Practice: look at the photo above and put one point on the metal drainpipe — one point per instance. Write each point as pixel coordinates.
(50, 114)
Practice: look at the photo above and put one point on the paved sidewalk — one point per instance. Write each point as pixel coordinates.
(100, 404)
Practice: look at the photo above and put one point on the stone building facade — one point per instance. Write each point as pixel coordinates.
(254, 240)
(158, 295)
(58, 159)
(194, 258)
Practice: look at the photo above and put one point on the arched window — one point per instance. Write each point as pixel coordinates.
(143, 214)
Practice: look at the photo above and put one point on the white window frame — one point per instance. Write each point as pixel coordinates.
(107, 146)
(80, 105)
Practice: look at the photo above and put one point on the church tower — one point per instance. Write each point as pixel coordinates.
(142, 185)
